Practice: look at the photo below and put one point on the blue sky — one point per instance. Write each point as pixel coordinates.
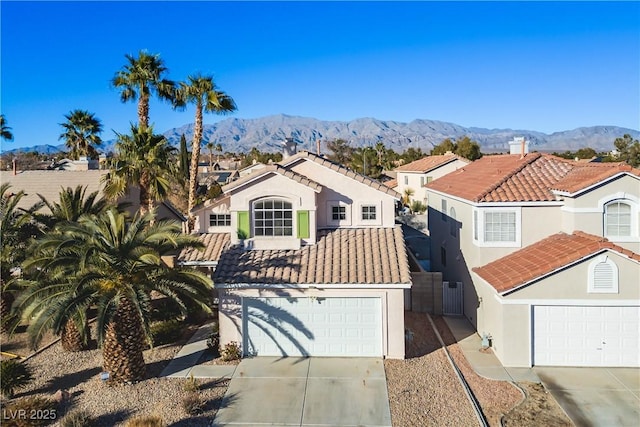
(547, 66)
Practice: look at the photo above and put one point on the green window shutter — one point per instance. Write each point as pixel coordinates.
(303, 224)
(243, 225)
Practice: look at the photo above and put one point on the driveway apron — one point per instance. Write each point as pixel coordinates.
(296, 391)
(595, 396)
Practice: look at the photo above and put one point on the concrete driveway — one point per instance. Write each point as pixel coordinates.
(595, 396)
(296, 391)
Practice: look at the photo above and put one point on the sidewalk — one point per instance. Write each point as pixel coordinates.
(184, 364)
(485, 364)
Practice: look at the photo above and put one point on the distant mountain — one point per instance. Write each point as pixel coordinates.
(267, 133)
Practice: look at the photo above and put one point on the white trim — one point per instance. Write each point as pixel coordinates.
(495, 204)
(378, 212)
(347, 213)
(198, 263)
(576, 302)
(633, 206)
(597, 184)
(318, 286)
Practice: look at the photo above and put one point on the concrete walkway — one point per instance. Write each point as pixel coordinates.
(313, 391)
(486, 364)
(184, 364)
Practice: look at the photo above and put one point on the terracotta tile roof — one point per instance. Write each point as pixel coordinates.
(543, 257)
(342, 256)
(392, 183)
(343, 170)
(273, 169)
(512, 178)
(428, 163)
(214, 244)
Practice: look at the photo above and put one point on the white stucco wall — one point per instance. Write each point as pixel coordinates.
(413, 179)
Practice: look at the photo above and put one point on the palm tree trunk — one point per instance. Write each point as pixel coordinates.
(195, 156)
(143, 110)
(123, 345)
(6, 300)
(73, 339)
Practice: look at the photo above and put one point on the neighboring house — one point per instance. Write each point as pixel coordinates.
(251, 168)
(314, 264)
(546, 252)
(417, 174)
(49, 184)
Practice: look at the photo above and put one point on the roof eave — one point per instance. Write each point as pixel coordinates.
(319, 286)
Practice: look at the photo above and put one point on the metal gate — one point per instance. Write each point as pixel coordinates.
(452, 298)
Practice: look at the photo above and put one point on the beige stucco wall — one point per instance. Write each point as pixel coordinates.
(510, 323)
(230, 312)
(413, 179)
(585, 212)
(202, 217)
(340, 188)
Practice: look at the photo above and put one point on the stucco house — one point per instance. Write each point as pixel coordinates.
(417, 174)
(311, 261)
(545, 251)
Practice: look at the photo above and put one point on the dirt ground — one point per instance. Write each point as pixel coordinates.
(538, 409)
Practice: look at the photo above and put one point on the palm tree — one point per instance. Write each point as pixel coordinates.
(16, 231)
(5, 130)
(72, 205)
(81, 133)
(218, 150)
(140, 78)
(145, 160)
(112, 262)
(406, 196)
(210, 147)
(201, 91)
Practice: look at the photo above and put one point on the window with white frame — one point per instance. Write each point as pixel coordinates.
(603, 276)
(272, 217)
(617, 219)
(338, 213)
(497, 226)
(422, 181)
(406, 180)
(219, 220)
(429, 179)
(443, 211)
(368, 213)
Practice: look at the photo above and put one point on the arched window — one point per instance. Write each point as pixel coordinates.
(272, 217)
(453, 225)
(603, 276)
(617, 219)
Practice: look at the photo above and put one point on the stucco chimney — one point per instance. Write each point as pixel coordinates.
(15, 166)
(318, 147)
(290, 148)
(519, 145)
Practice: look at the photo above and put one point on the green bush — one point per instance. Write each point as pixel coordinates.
(231, 351)
(145, 421)
(418, 207)
(14, 375)
(31, 411)
(166, 332)
(192, 403)
(77, 419)
(191, 385)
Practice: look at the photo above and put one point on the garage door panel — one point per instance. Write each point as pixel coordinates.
(318, 327)
(586, 336)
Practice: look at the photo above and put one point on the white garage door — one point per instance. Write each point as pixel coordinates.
(586, 336)
(312, 327)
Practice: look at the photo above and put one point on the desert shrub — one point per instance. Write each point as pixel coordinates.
(166, 332)
(213, 341)
(418, 206)
(33, 411)
(192, 403)
(145, 421)
(191, 385)
(14, 375)
(78, 418)
(231, 351)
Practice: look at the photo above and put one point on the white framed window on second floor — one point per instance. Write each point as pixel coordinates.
(272, 217)
(406, 180)
(369, 213)
(617, 220)
(338, 213)
(497, 227)
(219, 220)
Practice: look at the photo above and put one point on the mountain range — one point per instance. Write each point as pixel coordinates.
(267, 133)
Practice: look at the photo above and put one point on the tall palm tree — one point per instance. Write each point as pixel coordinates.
(81, 133)
(114, 262)
(210, 147)
(4, 129)
(201, 91)
(145, 160)
(219, 151)
(140, 78)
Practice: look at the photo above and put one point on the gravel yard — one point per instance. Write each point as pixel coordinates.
(79, 374)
